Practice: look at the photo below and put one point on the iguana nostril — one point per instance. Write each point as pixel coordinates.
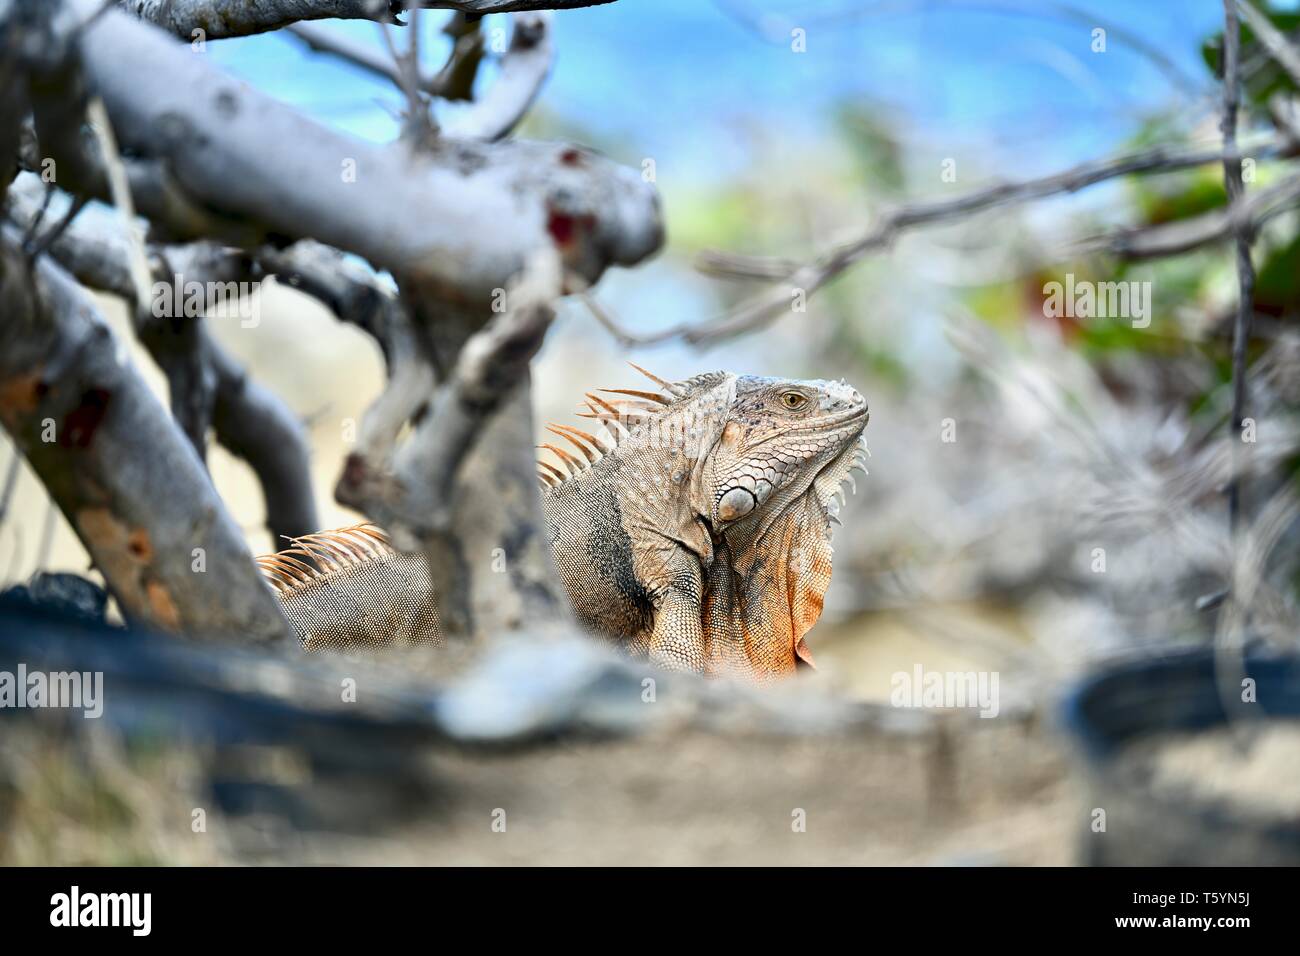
(736, 503)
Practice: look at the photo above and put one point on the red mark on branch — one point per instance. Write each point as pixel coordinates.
(354, 471)
(564, 228)
(138, 544)
(561, 228)
(80, 424)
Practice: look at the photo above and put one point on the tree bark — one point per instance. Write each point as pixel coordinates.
(111, 458)
(218, 19)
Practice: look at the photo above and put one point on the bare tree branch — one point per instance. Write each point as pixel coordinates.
(56, 146)
(219, 19)
(811, 276)
(1251, 212)
(457, 76)
(208, 387)
(176, 338)
(1270, 38)
(463, 484)
(367, 56)
(96, 257)
(111, 260)
(524, 69)
(356, 296)
(255, 424)
(464, 218)
(418, 126)
(10, 482)
(347, 288)
(490, 363)
(132, 488)
(119, 188)
(14, 107)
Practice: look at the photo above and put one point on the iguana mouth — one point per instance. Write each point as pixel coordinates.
(832, 422)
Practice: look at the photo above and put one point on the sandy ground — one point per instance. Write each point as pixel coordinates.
(994, 794)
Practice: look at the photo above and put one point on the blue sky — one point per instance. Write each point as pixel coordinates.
(670, 78)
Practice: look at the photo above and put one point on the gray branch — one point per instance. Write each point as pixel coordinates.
(488, 366)
(110, 457)
(255, 424)
(207, 385)
(356, 296)
(219, 19)
(463, 485)
(1250, 212)
(1270, 38)
(178, 341)
(348, 289)
(524, 69)
(58, 137)
(367, 56)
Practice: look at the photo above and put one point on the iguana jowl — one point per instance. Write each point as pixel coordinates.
(694, 529)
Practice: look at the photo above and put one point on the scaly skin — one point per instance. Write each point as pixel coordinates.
(694, 530)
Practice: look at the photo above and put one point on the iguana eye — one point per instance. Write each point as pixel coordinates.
(793, 400)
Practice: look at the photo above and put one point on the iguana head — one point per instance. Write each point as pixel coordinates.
(780, 437)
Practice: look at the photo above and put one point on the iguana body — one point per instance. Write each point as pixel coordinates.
(695, 529)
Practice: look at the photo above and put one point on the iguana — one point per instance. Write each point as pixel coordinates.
(694, 529)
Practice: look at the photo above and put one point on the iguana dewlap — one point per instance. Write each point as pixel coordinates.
(694, 528)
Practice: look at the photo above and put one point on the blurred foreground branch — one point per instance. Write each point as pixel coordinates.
(128, 482)
(445, 456)
(463, 483)
(208, 387)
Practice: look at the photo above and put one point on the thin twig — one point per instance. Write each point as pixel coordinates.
(36, 245)
(1245, 269)
(811, 276)
(601, 315)
(419, 126)
(34, 227)
(1270, 38)
(366, 56)
(1280, 108)
(1282, 111)
(120, 190)
(47, 536)
(11, 481)
(1250, 212)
